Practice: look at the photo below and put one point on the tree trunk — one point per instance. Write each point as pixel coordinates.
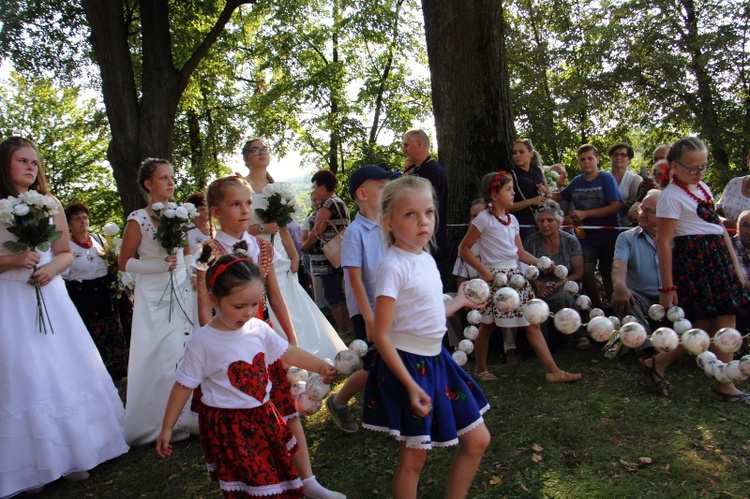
(142, 120)
(471, 100)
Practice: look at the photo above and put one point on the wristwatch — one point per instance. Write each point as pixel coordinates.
(261, 228)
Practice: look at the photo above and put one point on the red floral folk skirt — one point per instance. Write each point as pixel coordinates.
(249, 452)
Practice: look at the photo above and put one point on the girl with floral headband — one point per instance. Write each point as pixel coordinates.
(496, 233)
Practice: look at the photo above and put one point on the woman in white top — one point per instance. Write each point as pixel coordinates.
(89, 285)
(620, 155)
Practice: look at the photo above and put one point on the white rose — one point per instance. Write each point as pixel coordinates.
(157, 206)
(171, 205)
(554, 174)
(5, 206)
(21, 209)
(169, 213)
(190, 207)
(111, 229)
(118, 244)
(6, 218)
(181, 212)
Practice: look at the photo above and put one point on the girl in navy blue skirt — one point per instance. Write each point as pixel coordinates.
(415, 390)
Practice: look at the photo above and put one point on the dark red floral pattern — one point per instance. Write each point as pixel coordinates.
(281, 395)
(707, 283)
(250, 379)
(248, 451)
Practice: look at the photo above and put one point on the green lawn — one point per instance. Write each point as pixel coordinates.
(606, 436)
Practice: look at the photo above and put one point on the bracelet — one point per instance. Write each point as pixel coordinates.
(667, 289)
(261, 228)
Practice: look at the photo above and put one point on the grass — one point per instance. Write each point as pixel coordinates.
(606, 436)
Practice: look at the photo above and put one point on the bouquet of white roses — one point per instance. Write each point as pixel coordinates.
(29, 216)
(551, 177)
(173, 220)
(282, 205)
(111, 254)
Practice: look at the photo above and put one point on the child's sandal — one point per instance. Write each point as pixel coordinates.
(485, 376)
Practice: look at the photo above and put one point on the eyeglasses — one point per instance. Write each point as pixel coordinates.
(620, 154)
(259, 150)
(80, 219)
(647, 211)
(693, 171)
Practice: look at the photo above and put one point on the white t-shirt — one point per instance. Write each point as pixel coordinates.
(196, 238)
(497, 243)
(87, 264)
(414, 282)
(231, 366)
(675, 203)
(732, 201)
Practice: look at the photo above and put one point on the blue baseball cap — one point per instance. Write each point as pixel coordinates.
(369, 172)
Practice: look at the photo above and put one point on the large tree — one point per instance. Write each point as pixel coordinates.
(145, 63)
(470, 96)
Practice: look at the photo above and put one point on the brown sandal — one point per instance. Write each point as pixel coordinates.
(657, 381)
(485, 376)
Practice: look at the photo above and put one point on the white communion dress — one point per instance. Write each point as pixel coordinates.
(314, 333)
(162, 316)
(59, 409)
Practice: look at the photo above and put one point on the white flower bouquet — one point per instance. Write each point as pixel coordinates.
(282, 205)
(30, 219)
(551, 177)
(173, 220)
(111, 254)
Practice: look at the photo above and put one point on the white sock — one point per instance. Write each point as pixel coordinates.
(314, 489)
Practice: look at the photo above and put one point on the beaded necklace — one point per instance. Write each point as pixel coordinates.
(709, 201)
(88, 244)
(507, 216)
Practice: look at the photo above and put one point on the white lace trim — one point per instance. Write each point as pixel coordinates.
(265, 490)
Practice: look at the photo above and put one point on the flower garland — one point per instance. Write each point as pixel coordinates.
(496, 182)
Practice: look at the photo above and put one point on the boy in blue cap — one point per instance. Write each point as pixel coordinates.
(361, 252)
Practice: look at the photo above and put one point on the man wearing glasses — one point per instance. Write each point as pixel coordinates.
(635, 269)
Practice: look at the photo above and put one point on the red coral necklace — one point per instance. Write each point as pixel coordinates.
(504, 222)
(709, 201)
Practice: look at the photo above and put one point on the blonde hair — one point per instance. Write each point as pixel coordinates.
(395, 190)
(216, 190)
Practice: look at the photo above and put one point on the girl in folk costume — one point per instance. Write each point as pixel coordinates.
(246, 442)
(162, 322)
(229, 200)
(696, 261)
(496, 233)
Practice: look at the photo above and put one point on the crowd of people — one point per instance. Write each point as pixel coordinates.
(216, 322)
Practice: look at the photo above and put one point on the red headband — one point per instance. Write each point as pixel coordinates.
(224, 266)
(496, 181)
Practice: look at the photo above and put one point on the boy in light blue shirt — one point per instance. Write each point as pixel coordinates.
(361, 252)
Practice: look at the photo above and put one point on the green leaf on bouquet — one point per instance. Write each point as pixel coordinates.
(15, 246)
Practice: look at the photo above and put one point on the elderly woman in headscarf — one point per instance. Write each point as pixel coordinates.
(562, 248)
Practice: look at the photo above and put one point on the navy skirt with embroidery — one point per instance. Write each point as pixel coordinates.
(457, 401)
(708, 285)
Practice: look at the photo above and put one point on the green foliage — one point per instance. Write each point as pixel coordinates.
(71, 136)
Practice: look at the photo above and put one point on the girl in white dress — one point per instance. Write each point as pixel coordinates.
(314, 333)
(60, 413)
(161, 325)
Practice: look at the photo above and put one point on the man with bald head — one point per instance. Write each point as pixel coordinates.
(635, 268)
(416, 147)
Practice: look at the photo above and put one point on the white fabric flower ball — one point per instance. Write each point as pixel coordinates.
(460, 357)
(346, 362)
(317, 389)
(583, 302)
(656, 312)
(615, 321)
(600, 328)
(628, 319)
(359, 347)
(477, 291)
(665, 339)
(506, 299)
(728, 340)
(681, 325)
(518, 281)
(471, 333)
(499, 280)
(297, 388)
(531, 273)
(466, 346)
(696, 341)
(295, 374)
(571, 287)
(474, 317)
(536, 311)
(596, 312)
(561, 271)
(305, 405)
(567, 320)
(675, 313)
(544, 263)
(633, 335)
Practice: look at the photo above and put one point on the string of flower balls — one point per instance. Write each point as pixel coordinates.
(601, 328)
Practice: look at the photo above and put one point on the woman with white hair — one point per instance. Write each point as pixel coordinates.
(562, 248)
